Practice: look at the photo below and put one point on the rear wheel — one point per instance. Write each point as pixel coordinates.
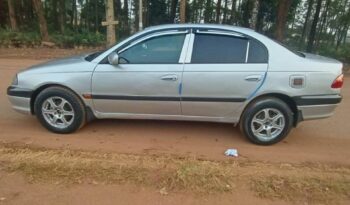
(59, 110)
(267, 121)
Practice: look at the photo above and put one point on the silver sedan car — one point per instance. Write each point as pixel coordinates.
(194, 72)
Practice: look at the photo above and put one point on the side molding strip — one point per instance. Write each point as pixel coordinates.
(166, 98)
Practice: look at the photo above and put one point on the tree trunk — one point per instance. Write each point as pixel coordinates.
(96, 16)
(42, 21)
(53, 11)
(218, 10)
(172, 15)
(255, 10)
(225, 12)
(260, 18)
(111, 39)
(323, 22)
(126, 17)
(12, 15)
(312, 34)
(306, 22)
(233, 12)
(207, 11)
(62, 15)
(75, 15)
(182, 11)
(246, 12)
(282, 13)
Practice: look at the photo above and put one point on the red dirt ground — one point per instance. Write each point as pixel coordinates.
(323, 141)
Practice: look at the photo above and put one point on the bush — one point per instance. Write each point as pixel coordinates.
(71, 39)
(342, 53)
(67, 40)
(19, 39)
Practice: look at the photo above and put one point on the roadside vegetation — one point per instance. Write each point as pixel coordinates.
(31, 39)
(316, 26)
(306, 183)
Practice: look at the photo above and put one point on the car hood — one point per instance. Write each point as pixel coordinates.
(69, 64)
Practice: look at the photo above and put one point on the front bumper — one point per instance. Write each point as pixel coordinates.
(317, 107)
(20, 99)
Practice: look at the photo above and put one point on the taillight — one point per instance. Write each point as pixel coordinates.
(338, 82)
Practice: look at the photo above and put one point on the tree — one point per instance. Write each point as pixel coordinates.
(307, 17)
(172, 15)
(62, 15)
(281, 21)
(126, 17)
(218, 10)
(12, 16)
(312, 33)
(233, 11)
(182, 11)
(42, 21)
(255, 10)
(225, 12)
(208, 11)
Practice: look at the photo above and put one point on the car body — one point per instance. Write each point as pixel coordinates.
(199, 72)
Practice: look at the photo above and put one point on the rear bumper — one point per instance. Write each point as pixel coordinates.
(317, 107)
(20, 99)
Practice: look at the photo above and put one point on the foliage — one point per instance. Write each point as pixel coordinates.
(71, 39)
(67, 40)
(78, 22)
(13, 38)
(342, 53)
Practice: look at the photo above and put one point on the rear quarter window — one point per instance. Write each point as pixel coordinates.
(257, 52)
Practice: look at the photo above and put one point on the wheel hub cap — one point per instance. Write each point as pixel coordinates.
(58, 112)
(267, 124)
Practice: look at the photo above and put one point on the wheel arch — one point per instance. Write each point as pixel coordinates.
(297, 116)
(38, 90)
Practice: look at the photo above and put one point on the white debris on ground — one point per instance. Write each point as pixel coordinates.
(231, 153)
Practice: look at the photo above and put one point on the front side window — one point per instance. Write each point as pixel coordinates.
(219, 49)
(159, 49)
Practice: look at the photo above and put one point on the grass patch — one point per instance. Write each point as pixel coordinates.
(306, 182)
(67, 166)
(301, 188)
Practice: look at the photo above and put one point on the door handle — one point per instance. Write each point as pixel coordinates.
(169, 77)
(253, 78)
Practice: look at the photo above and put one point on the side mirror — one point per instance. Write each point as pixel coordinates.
(113, 58)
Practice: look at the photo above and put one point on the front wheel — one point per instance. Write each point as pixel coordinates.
(267, 121)
(59, 110)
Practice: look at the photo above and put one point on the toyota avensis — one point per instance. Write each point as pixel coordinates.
(185, 72)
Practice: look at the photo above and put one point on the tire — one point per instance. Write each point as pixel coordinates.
(59, 110)
(266, 131)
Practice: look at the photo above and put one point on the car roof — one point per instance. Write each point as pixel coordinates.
(190, 25)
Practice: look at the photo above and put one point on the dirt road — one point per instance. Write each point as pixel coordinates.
(324, 141)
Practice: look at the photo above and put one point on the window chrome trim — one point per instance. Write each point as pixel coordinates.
(228, 33)
(172, 32)
(184, 50)
(190, 48)
(247, 52)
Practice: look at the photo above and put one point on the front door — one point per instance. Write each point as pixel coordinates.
(223, 71)
(146, 80)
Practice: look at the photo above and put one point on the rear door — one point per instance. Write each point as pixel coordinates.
(222, 72)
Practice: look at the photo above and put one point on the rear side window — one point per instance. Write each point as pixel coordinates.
(257, 52)
(219, 49)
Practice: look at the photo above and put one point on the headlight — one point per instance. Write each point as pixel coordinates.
(15, 80)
